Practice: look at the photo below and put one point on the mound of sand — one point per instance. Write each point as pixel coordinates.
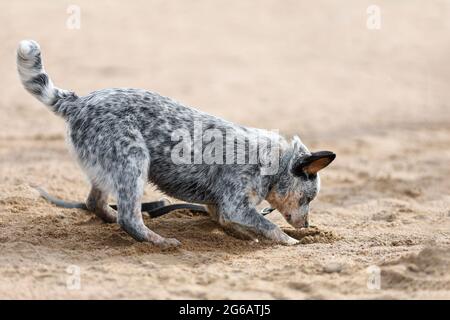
(427, 270)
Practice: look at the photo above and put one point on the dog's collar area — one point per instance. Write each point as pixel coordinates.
(267, 210)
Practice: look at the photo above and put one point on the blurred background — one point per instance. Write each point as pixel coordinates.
(309, 68)
(366, 79)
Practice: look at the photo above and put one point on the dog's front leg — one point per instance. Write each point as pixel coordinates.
(249, 220)
(232, 229)
(97, 202)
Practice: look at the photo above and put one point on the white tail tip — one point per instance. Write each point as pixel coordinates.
(28, 49)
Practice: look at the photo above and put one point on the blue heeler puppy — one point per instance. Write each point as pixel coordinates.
(123, 138)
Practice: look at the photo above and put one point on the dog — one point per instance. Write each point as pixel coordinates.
(123, 138)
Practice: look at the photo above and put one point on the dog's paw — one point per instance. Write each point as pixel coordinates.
(169, 243)
(290, 241)
(280, 237)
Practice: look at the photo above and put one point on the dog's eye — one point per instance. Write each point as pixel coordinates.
(304, 200)
(307, 200)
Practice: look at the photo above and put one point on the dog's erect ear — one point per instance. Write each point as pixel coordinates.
(298, 147)
(310, 164)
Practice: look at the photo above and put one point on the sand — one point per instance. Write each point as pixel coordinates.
(378, 98)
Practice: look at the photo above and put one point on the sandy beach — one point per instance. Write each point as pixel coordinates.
(378, 98)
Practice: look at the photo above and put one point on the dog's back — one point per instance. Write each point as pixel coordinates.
(105, 119)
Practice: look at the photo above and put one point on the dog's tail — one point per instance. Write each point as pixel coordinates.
(36, 80)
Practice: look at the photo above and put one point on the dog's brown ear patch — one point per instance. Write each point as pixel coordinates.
(311, 164)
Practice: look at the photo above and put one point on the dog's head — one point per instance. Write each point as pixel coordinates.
(299, 183)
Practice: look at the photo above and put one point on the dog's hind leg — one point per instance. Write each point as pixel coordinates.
(130, 216)
(213, 212)
(97, 203)
(130, 180)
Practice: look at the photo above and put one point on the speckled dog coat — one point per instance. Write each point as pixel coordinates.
(124, 138)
